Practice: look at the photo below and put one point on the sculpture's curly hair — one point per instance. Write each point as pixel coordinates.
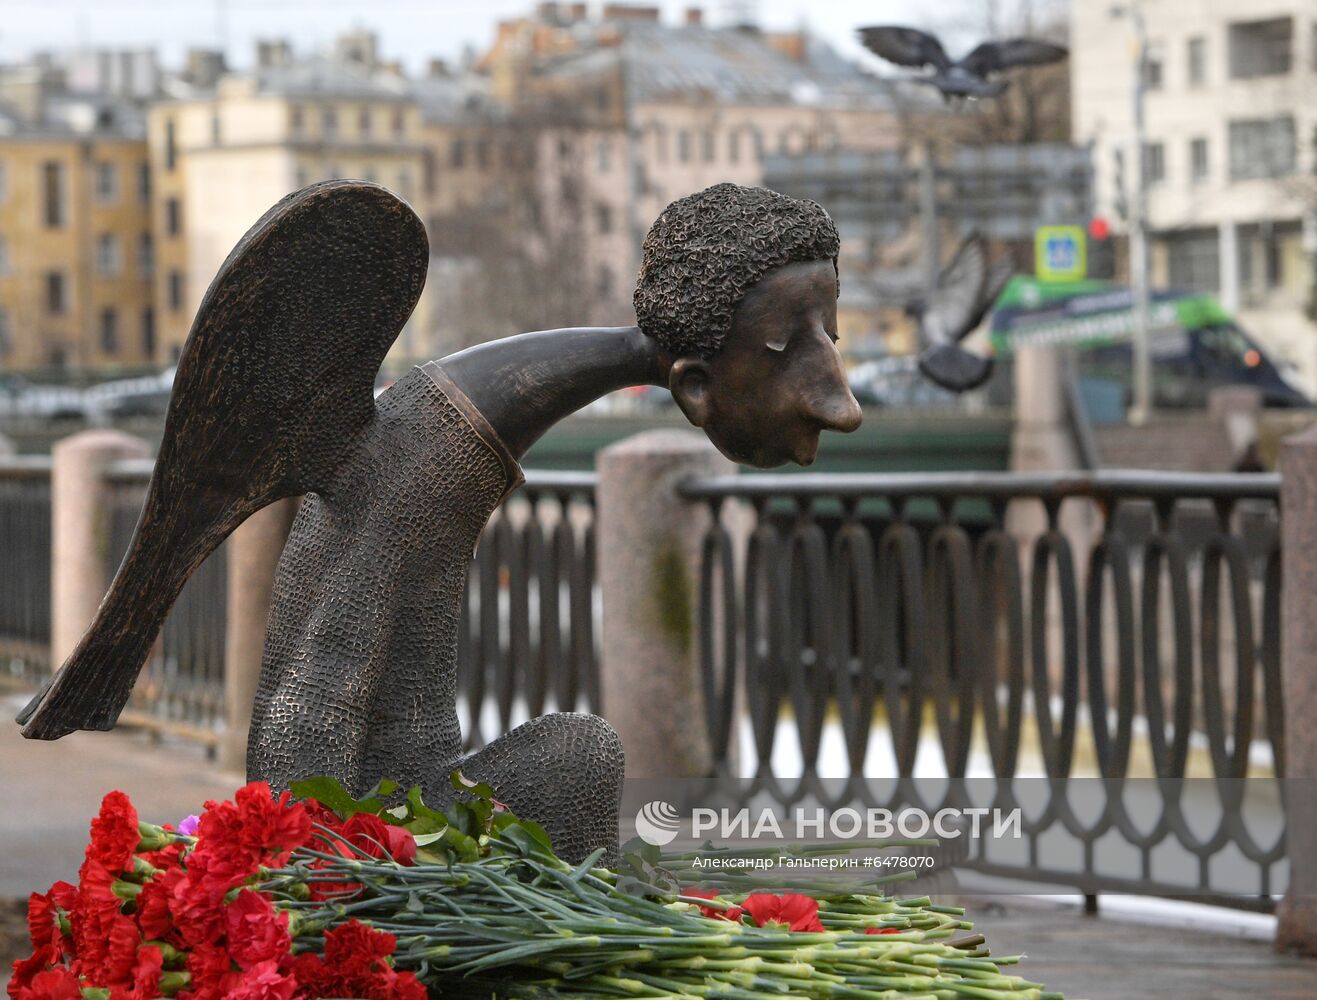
(705, 251)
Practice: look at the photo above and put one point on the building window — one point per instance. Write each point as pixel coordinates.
(603, 214)
(171, 145)
(216, 130)
(605, 154)
(757, 138)
(457, 154)
(734, 147)
(605, 282)
(1198, 165)
(52, 194)
(4, 184)
(107, 183)
(1154, 66)
(1194, 260)
(56, 293)
(1261, 48)
(6, 341)
(708, 146)
(329, 123)
(483, 159)
(109, 331)
(1196, 52)
(399, 124)
(144, 183)
(683, 146)
(175, 290)
(296, 119)
(364, 123)
(1154, 163)
(4, 256)
(145, 255)
(405, 183)
(1261, 148)
(148, 332)
(173, 217)
(107, 255)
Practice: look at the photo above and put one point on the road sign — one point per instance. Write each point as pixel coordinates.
(1060, 253)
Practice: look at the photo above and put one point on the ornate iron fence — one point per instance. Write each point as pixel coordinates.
(878, 609)
(181, 689)
(528, 640)
(25, 580)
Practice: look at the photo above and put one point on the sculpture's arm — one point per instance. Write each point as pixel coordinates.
(523, 385)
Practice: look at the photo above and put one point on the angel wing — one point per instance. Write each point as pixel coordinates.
(275, 379)
(993, 57)
(957, 294)
(905, 46)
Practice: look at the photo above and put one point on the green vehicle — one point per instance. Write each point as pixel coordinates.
(1196, 345)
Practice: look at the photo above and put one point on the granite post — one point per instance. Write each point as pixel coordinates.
(80, 530)
(649, 552)
(1296, 927)
(252, 554)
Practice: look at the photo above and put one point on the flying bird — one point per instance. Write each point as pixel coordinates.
(965, 291)
(967, 77)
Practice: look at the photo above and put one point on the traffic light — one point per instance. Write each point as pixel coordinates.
(1101, 250)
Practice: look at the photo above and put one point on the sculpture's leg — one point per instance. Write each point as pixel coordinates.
(565, 772)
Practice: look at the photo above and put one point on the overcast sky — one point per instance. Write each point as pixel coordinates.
(412, 30)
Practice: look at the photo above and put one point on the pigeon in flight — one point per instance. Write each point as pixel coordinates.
(965, 291)
(967, 77)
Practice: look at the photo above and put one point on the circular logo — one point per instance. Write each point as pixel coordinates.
(657, 823)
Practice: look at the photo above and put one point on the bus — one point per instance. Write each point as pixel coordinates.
(1196, 346)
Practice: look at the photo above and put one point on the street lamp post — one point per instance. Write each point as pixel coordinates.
(1142, 407)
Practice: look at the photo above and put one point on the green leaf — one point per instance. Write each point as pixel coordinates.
(331, 794)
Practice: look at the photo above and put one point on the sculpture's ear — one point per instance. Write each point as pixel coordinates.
(689, 384)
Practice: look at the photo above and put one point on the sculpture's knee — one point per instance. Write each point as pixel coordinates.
(565, 772)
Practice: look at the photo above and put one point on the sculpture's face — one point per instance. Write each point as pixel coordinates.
(778, 381)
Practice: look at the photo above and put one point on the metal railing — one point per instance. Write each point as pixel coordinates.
(1135, 630)
(528, 640)
(181, 688)
(25, 579)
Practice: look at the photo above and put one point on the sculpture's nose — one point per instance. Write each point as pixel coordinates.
(841, 412)
(836, 408)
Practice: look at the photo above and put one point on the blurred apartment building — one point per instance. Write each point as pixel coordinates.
(538, 166)
(1228, 163)
(221, 156)
(76, 247)
(616, 115)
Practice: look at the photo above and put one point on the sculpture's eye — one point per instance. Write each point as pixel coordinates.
(778, 341)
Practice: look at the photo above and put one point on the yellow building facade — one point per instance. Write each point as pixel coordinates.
(220, 161)
(76, 252)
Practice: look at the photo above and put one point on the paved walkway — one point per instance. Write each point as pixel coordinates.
(51, 791)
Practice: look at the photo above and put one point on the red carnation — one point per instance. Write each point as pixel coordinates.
(57, 984)
(791, 911)
(255, 932)
(146, 976)
(43, 918)
(364, 835)
(25, 970)
(732, 913)
(114, 834)
(882, 930)
(262, 981)
(208, 965)
(356, 964)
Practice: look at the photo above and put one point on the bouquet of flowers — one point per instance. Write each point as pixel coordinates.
(323, 895)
